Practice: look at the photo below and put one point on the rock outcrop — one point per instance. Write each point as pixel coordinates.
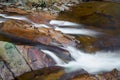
(45, 36)
(18, 59)
(24, 53)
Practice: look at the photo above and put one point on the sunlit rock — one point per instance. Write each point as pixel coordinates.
(42, 35)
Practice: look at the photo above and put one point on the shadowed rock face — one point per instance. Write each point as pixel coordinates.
(100, 14)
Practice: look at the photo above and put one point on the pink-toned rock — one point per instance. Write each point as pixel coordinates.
(34, 57)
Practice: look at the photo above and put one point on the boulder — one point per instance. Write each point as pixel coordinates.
(14, 62)
(45, 36)
(34, 57)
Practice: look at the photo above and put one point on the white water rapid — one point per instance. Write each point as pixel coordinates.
(92, 63)
(72, 28)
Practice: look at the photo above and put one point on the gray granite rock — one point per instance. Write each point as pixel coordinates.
(14, 61)
(5, 73)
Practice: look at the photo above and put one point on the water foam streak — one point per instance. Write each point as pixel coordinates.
(64, 23)
(92, 63)
(54, 57)
(14, 17)
(77, 31)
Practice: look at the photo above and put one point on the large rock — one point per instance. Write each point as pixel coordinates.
(34, 57)
(43, 35)
(18, 59)
(13, 60)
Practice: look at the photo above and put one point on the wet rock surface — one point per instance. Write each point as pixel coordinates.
(27, 56)
(99, 16)
(42, 35)
(24, 53)
(57, 73)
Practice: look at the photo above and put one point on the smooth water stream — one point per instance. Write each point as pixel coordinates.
(93, 63)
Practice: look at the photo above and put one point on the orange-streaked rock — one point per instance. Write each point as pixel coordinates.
(42, 35)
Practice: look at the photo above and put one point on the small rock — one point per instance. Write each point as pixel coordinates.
(33, 9)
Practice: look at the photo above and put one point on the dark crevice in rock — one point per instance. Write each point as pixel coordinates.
(55, 49)
(24, 59)
(5, 74)
(8, 67)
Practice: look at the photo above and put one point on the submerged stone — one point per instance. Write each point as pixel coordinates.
(100, 14)
(101, 17)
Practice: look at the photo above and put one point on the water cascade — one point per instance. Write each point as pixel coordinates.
(93, 63)
(72, 28)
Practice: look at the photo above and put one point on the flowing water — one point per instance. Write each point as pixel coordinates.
(94, 63)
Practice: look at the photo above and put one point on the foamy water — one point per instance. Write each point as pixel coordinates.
(92, 63)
